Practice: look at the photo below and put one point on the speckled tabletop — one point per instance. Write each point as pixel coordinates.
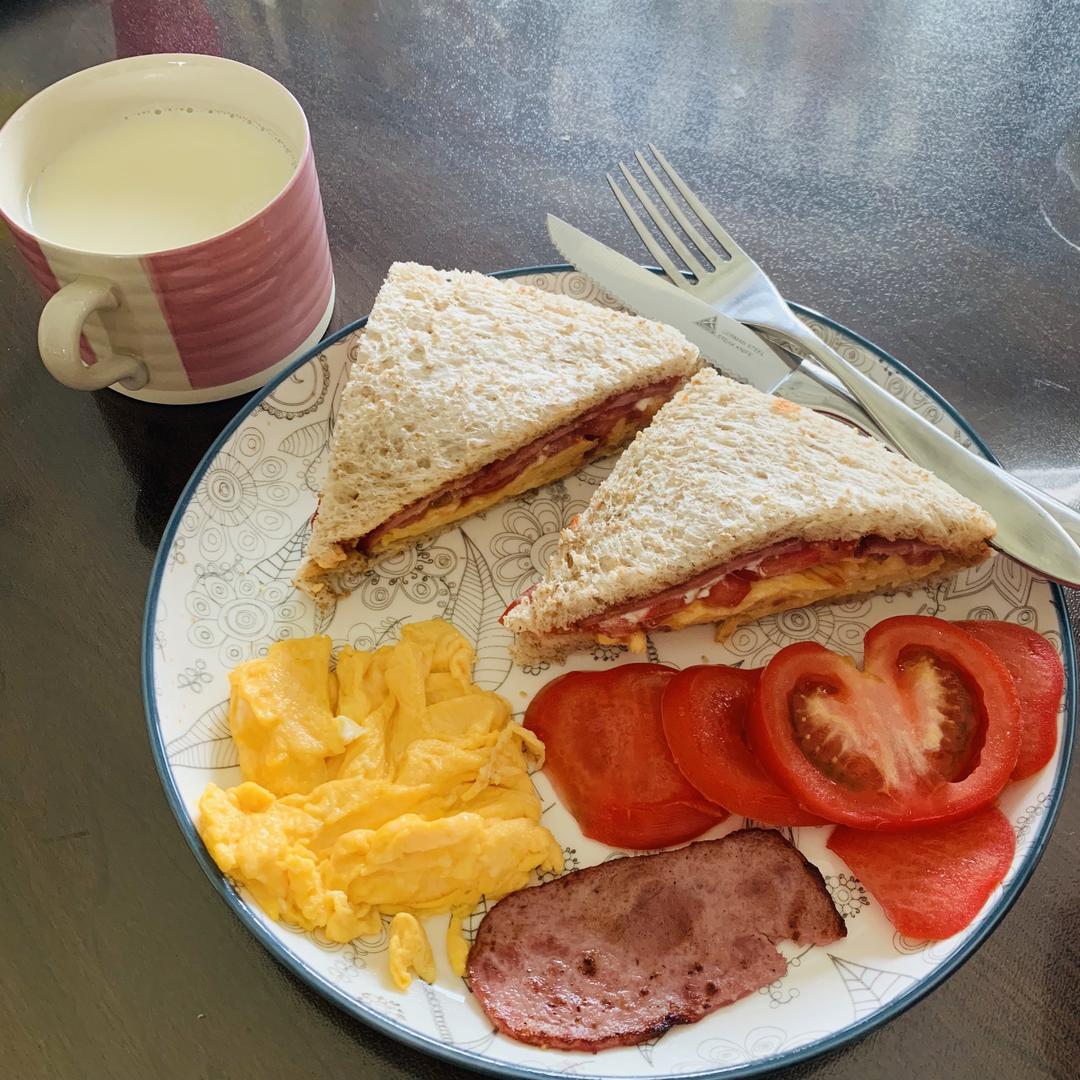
(893, 164)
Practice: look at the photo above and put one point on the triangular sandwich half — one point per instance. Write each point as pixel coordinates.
(734, 504)
(465, 390)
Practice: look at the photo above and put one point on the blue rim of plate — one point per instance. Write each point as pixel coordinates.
(467, 1059)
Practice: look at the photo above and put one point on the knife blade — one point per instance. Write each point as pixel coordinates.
(736, 350)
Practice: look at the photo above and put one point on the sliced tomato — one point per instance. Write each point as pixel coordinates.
(727, 592)
(931, 882)
(928, 731)
(607, 758)
(517, 600)
(705, 710)
(1039, 675)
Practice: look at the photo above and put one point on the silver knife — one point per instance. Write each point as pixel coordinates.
(731, 346)
(735, 349)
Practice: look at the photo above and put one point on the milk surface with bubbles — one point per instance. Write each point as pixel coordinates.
(158, 179)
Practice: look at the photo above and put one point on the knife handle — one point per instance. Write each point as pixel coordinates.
(1027, 530)
(811, 385)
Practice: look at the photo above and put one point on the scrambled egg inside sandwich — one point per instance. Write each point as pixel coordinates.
(393, 786)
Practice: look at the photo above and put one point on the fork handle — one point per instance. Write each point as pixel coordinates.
(1026, 530)
(811, 385)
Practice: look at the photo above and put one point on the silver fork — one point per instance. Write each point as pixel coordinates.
(1033, 527)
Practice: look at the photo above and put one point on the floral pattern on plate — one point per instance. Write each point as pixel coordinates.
(223, 593)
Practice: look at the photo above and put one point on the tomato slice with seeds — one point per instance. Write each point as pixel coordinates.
(928, 731)
(606, 757)
(705, 709)
(1039, 675)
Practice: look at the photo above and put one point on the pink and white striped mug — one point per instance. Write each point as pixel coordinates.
(168, 207)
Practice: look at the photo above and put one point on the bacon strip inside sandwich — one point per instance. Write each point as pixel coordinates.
(733, 505)
(464, 391)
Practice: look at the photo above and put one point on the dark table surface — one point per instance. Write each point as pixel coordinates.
(888, 161)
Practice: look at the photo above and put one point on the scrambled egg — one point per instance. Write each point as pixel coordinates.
(833, 581)
(544, 471)
(391, 787)
(795, 590)
(537, 474)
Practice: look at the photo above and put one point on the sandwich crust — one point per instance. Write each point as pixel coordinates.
(723, 471)
(456, 370)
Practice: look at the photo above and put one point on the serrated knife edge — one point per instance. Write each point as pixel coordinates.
(729, 345)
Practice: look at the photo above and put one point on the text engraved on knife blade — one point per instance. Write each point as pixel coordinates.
(732, 340)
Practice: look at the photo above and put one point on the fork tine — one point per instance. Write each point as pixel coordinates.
(647, 237)
(695, 204)
(657, 217)
(676, 211)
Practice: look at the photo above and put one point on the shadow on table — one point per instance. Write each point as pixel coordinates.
(160, 445)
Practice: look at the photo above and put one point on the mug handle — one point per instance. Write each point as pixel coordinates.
(59, 331)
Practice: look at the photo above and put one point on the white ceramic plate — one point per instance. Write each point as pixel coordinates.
(221, 593)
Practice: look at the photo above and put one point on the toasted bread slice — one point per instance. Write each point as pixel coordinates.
(723, 479)
(457, 373)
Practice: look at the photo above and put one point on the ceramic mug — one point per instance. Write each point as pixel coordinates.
(196, 322)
